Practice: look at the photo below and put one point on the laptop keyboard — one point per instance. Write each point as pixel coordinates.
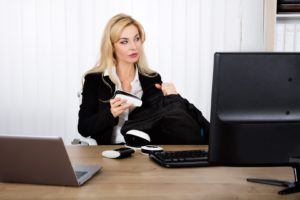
(189, 158)
(79, 174)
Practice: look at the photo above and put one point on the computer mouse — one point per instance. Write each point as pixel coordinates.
(137, 138)
(149, 149)
(119, 153)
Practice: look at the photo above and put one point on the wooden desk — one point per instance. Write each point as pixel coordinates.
(140, 178)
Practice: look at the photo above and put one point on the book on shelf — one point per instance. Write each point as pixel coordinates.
(290, 8)
(284, 6)
(287, 37)
(288, 2)
(297, 37)
(279, 42)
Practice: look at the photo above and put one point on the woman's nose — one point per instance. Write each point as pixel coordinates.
(132, 45)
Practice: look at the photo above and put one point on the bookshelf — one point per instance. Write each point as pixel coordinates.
(282, 30)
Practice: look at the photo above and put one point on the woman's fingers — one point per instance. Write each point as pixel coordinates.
(117, 111)
(122, 107)
(113, 101)
(166, 88)
(158, 86)
(117, 102)
(118, 106)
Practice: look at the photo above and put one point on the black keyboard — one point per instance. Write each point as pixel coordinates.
(190, 158)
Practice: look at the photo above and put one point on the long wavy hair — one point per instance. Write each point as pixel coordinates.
(112, 33)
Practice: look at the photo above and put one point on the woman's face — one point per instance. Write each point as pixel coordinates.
(128, 47)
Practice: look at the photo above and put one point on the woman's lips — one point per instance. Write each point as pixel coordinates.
(133, 55)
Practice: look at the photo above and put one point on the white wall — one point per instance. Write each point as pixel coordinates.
(46, 46)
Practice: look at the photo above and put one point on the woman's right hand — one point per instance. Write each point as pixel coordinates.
(118, 106)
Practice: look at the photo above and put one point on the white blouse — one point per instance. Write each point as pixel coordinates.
(136, 89)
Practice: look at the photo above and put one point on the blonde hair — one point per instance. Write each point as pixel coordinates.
(112, 33)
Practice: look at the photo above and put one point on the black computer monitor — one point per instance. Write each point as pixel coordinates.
(255, 112)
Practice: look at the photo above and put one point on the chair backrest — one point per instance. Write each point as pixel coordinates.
(79, 96)
(80, 140)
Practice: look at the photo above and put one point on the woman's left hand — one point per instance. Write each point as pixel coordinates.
(166, 88)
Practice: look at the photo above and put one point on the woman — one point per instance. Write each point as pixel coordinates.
(122, 66)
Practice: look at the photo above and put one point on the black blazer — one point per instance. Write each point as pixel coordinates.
(95, 117)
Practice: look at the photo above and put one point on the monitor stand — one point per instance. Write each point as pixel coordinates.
(291, 187)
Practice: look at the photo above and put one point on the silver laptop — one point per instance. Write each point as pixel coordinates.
(40, 160)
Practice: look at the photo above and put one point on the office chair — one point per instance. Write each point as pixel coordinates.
(80, 140)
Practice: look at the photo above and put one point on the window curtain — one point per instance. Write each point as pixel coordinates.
(46, 46)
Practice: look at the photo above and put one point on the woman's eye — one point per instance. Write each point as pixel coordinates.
(124, 42)
(137, 39)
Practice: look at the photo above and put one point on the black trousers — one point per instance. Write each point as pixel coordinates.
(168, 122)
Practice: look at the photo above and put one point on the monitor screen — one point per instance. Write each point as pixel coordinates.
(255, 112)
